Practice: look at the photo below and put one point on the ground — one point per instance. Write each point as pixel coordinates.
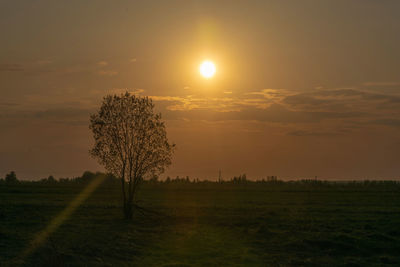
(204, 224)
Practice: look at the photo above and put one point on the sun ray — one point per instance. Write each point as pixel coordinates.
(57, 221)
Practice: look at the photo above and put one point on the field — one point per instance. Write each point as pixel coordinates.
(203, 224)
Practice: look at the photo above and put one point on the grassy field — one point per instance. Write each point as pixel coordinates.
(203, 224)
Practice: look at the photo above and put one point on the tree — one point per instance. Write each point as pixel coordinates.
(130, 141)
(11, 177)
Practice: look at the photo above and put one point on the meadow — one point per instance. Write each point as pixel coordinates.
(304, 223)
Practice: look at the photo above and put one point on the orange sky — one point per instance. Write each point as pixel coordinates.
(302, 89)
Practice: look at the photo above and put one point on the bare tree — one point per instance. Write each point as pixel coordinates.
(130, 142)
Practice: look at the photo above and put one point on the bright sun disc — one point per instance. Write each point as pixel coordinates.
(207, 69)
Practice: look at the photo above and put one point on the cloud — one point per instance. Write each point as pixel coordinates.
(34, 67)
(304, 99)
(341, 99)
(102, 63)
(107, 72)
(312, 133)
(348, 108)
(61, 113)
(11, 67)
(275, 113)
(8, 104)
(388, 122)
(226, 102)
(136, 91)
(44, 62)
(342, 92)
(381, 83)
(334, 108)
(66, 116)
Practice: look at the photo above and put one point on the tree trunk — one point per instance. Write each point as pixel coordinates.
(129, 199)
(128, 210)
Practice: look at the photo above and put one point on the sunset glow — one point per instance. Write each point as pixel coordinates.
(177, 133)
(242, 87)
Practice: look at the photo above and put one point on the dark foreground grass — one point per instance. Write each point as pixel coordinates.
(198, 225)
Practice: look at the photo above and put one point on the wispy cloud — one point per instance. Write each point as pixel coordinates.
(44, 62)
(8, 104)
(136, 91)
(107, 72)
(313, 133)
(102, 63)
(381, 83)
(336, 108)
(11, 67)
(388, 122)
(346, 106)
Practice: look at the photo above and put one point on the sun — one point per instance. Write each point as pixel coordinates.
(207, 69)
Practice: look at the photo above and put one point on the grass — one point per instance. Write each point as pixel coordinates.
(204, 224)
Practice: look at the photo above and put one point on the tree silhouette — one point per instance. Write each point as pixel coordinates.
(11, 177)
(130, 142)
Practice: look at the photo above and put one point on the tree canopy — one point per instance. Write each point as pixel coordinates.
(130, 141)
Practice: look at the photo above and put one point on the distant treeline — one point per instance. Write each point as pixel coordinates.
(272, 181)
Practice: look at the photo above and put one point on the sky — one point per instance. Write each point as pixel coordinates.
(302, 88)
